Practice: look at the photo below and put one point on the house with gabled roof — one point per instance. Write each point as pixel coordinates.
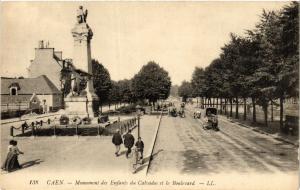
(23, 94)
(47, 61)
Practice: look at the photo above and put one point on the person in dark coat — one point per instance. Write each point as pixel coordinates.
(117, 141)
(128, 142)
(11, 163)
(140, 147)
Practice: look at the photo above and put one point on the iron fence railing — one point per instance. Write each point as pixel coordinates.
(52, 127)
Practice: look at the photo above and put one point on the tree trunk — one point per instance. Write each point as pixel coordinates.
(217, 103)
(254, 110)
(221, 108)
(265, 108)
(225, 106)
(272, 116)
(281, 112)
(230, 107)
(245, 109)
(213, 104)
(237, 108)
(204, 102)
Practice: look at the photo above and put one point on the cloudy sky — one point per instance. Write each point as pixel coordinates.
(177, 35)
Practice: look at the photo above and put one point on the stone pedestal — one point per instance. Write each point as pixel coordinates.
(80, 106)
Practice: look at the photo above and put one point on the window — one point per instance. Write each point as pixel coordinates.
(13, 91)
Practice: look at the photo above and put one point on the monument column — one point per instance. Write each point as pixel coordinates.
(85, 101)
(82, 60)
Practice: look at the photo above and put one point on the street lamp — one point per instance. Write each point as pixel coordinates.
(138, 110)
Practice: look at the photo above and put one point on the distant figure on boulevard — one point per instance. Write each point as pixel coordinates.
(140, 147)
(128, 142)
(11, 162)
(117, 141)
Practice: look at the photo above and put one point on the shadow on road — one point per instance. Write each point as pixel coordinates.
(146, 160)
(123, 152)
(31, 163)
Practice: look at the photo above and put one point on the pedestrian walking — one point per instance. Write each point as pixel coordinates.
(117, 141)
(11, 162)
(140, 147)
(128, 142)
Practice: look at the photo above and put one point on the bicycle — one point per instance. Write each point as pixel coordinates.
(136, 157)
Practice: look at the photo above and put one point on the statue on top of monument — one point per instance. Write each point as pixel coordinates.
(81, 15)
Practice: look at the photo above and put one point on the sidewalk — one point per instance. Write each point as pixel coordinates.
(81, 155)
(270, 131)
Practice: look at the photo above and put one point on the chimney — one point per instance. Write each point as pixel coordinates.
(41, 44)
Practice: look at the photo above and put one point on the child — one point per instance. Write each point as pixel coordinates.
(140, 147)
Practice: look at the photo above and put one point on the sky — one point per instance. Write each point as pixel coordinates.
(179, 36)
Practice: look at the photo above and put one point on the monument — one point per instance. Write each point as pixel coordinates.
(82, 100)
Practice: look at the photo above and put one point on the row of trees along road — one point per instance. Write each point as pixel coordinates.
(152, 82)
(262, 65)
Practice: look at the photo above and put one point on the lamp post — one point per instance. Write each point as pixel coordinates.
(138, 109)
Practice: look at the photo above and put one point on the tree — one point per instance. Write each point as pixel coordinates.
(230, 59)
(102, 81)
(65, 79)
(114, 94)
(278, 34)
(263, 65)
(125, 91)
(174, 90)
(213, 83)
(152, 82)
(185, 90)
(288, 67)
(197, 82)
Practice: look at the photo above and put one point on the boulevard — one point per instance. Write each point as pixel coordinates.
(183, 146)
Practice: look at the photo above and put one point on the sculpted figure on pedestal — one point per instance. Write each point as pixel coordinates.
(78, 81)
(81, 15)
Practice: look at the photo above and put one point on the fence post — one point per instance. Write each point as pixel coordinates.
(12, 131)
(98, 130)
(32, 130)
(23, 128)
(138, 126)
(77, 129)
(54, 130)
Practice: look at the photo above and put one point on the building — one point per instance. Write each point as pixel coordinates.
(29, 94)
(47, 62)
